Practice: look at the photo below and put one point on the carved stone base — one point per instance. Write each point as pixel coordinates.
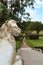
(18, 60)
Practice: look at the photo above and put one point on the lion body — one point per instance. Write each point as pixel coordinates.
(7, 43)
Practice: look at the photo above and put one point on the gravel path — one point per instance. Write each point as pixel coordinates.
(31, 57)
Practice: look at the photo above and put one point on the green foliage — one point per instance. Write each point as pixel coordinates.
(24, 26)
(30, 26)
(42, 26)
(19, 8)
(37, 26)
(4, 14)
(20, 37)
(18, 41)
(33, 37)
(18, 44)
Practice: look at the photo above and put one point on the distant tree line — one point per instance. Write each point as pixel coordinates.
(30, 26)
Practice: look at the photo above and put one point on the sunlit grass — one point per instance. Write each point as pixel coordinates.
(35, 43)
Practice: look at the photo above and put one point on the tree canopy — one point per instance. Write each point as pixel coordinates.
(17, 9)
(31, 26)
(37, 26)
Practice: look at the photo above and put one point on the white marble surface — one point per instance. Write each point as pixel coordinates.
(6, 52)
(18, 60)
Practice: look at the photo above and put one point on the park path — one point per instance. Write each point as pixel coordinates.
(24, 43)
(29, 56)
(23, 46)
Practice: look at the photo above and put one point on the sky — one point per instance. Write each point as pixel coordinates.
(36, 14)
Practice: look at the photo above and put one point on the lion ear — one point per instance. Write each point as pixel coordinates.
(6, 22)
(12, 21)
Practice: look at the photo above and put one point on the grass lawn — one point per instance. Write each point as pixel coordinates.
(35, 43)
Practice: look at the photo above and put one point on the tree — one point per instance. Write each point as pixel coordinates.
(17, 9)
(37, 26)
(4, 14)
(42, 26)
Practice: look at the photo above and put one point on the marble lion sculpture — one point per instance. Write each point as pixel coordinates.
(7, 42)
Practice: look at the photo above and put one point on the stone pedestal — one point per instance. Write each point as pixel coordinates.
(18, 60)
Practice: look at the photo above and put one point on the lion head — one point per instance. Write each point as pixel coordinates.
(12, 27)
(15, 30)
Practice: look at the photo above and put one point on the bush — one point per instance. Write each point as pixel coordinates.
(18, 45)
(27, 35)
(39, 48)
(18, 41)
(20, 37)
(33, 36)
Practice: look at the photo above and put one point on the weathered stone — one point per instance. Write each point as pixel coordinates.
(7, 42)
